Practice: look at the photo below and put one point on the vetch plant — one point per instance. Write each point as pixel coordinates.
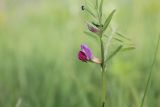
(97, 28)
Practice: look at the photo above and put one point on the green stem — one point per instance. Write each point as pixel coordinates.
(150, 73)
(99, 12)
(103, 88)
(103, 76)
(102, 52)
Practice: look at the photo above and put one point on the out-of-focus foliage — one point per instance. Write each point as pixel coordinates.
(39, 41)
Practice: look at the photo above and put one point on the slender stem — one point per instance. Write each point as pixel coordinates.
(102, 52)
(103, 88)
(103, 67)
(99, 12)
(150, 73)
(103, 76)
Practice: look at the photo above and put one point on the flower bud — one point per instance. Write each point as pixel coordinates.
(93, 28)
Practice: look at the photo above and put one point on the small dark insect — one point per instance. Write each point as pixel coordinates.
(82, 7)
(97, 25)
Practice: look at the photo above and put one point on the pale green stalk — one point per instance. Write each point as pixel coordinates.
(103, 66)
(150, 73)
(103, 75)
(102, 57)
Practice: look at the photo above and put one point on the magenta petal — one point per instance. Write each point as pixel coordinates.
(82, 56)
(87, 51)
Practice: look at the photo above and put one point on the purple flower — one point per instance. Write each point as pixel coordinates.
(85, 54)
(82, 56)
(93, 28)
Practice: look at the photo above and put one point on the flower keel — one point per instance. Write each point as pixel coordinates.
(82, 56)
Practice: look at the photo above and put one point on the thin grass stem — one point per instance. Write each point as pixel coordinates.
(150, 73)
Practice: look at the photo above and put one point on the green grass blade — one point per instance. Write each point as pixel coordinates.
(114, 53)
(108, 20)
(96, 4)
(90, 12)
(92, 35)
(128, 48)
(117, 39)
(100, 8)
(121, 35)
(150, 73)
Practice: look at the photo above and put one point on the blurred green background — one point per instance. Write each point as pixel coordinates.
(39, 41)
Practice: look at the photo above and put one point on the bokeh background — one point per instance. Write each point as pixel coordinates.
(39, 41)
